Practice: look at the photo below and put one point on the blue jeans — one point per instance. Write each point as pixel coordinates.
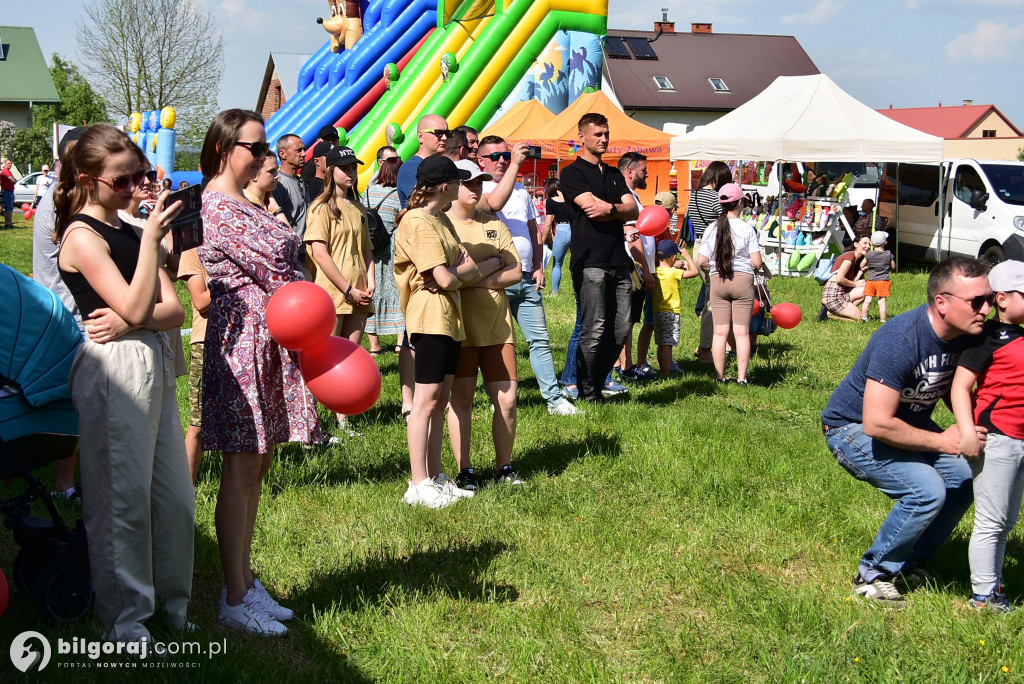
(7, 196)
(528, 310)
(559, 248)
(932, 492)
(604, 304)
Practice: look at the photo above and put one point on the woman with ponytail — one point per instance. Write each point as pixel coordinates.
(731, 250)
(430, 267)
(138, 503)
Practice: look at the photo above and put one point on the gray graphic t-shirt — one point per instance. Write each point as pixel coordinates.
(904, 354)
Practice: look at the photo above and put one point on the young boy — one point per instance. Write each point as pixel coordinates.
(668, 302)
(996, 364)
(878, 262)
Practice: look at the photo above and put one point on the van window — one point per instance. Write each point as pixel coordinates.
(865, 174)
(966, 182)
(919, 183)
(1007, 181)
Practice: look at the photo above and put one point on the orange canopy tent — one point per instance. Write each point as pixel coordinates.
(521, 120)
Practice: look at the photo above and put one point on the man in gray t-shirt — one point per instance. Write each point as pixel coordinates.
(291, 193)
(44, 257)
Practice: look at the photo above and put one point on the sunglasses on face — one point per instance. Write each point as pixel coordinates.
(124, 183)
(439, 132)
(257, 149)
(495, 156)
(976, 302)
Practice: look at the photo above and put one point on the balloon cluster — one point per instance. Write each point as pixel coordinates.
(340, 373)
(28, 211)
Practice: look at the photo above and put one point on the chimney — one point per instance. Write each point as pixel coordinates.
(664, 26)
(700, 28)
(967, 103)
(940, 103)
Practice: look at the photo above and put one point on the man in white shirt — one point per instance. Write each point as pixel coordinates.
(511, 201)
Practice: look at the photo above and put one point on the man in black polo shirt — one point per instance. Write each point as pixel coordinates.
(599, 202)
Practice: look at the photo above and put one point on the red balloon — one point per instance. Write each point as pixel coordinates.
(25, 207)
(787, 315)
(29, 214)
(341, 375)
(5, 593)
(300, 315)
(653, 220)
(757, 307)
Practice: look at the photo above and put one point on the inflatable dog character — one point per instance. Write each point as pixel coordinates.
(344, 21)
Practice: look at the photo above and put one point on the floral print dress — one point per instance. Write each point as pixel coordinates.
(253, 393)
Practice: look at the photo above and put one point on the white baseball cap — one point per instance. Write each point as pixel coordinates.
(472, 168)
(1007, 276)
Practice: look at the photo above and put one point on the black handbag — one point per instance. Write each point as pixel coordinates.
(379, 235)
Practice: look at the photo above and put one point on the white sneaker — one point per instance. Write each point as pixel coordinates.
(452, 488)
(430, 494)
(563, 408)
(273, 608)
(249, 616)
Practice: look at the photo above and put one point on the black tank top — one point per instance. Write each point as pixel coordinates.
(124, 250)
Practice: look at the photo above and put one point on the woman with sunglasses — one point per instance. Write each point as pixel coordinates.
(430, 267)
(138, 503)
(253, 394)
(487, 320)
(844, 290)
(338, 239)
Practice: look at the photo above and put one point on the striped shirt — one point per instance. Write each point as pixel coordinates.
(703, 209)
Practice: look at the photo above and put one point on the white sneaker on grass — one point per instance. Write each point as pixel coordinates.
(430, 494)
(562, 407)
(249, 616)
(273, 608)
(881, 591)
(450, 486)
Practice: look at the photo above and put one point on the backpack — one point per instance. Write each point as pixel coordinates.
(379, 236)
(823, 271)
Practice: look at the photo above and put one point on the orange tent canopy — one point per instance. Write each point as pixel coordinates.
(521, 120)
(559, 138)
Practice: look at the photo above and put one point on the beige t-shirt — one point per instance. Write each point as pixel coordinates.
(422, 242)
(189, 265)
(347, 239)
(485, 312)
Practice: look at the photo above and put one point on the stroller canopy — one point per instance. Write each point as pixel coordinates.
(38, 339)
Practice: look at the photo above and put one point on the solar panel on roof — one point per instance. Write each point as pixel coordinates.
(615, 48)
(641, 48)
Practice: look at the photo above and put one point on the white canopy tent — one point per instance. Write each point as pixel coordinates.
(807, 118)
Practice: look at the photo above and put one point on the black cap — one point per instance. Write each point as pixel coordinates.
(69, 137)
(328, 133)
(341, 156)
(437, 169)
(322, 148)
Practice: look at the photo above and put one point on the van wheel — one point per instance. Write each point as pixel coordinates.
(992, 255)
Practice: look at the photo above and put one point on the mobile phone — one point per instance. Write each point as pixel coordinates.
(187, 228)
(533, 151)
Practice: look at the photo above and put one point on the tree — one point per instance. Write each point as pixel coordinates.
(1020, 154)
(79, 103)
(149, 54)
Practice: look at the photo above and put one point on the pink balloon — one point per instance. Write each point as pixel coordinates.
(653, 220)
(341, 375)
(787, 315)
(300, 315)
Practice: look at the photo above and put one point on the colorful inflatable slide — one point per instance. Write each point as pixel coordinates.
(462, 59)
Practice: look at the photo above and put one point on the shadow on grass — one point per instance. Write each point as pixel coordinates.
(457, 570)
(555, 456)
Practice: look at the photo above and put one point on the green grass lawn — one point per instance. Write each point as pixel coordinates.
(689, 533)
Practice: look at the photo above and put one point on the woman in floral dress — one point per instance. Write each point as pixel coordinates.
(253, 394)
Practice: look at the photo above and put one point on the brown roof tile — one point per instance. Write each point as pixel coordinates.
(747, 63)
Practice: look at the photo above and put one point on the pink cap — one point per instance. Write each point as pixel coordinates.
(730, 192)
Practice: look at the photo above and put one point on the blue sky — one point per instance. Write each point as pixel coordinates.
(908, 53)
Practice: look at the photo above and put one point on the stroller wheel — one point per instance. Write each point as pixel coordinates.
(63, 591)
(26, 569)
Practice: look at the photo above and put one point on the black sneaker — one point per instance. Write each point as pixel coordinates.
(912, 580)
(508, 476)
(822, 314)
(466, 479)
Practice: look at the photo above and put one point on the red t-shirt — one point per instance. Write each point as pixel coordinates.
(998, 359)
(7, 180)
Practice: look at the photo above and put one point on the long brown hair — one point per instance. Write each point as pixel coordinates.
(421, 194)
(388, 175)
(221, 136)
(723, 241)
(86, 156)
(327, 197)
(716, 175)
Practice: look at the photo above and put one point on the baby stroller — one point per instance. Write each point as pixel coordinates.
(38, 425)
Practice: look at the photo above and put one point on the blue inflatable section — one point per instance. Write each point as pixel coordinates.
(331, 83)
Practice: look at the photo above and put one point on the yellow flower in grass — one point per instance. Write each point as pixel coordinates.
(1006, 669)
(981, 641)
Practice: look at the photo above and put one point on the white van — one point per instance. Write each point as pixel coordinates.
(984, 208)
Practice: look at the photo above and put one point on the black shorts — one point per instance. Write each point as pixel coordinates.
(436, 357)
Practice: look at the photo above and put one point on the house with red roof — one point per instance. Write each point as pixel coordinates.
(970, 130)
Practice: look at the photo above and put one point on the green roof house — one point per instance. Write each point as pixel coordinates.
(24, 77)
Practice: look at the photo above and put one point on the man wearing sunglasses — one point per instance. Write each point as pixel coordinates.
(511, 201)
(472, 140)
(432, 133)
(879, 427)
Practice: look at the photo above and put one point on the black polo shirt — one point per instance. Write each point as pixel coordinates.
(595, 244)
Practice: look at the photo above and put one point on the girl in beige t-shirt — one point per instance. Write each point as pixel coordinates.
(430, 268)
(488, 346)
